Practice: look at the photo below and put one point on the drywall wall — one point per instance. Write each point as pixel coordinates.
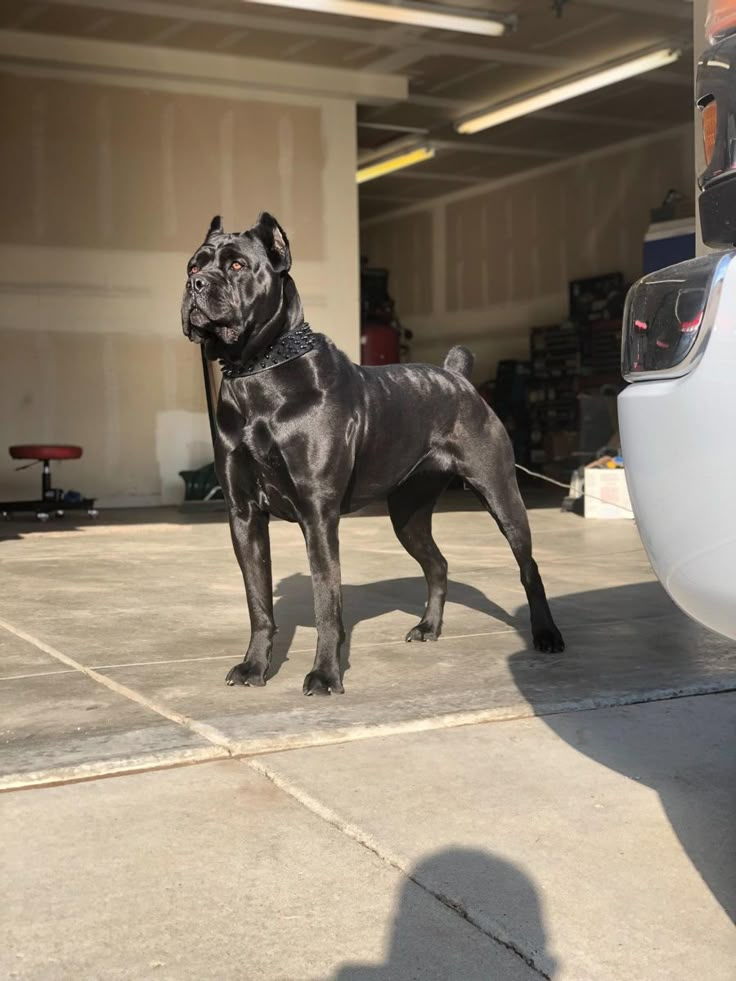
(700, 12)
(482, 266)
(114, 161)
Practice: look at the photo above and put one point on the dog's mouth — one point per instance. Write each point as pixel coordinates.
(197, 317)
(230, 334)
(203, 328)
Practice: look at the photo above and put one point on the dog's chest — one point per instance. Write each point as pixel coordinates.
(265, 457)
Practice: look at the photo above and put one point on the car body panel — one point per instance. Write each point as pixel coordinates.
(677, 438)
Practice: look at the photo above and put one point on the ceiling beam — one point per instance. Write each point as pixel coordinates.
(497, 150)
(388, 198)
(409, 141)
(461, 146)
(393, 128)
(509, 180)
(275, 24)
(436, 175)
(402, 55)
(659, 8)
(134, 64)
(408, 54)
(454, 105)
(589, 118)
(437, 102)
(487, 53)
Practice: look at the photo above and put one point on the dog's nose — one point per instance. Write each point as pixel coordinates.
(198, 283)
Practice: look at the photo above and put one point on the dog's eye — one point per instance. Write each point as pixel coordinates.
(193, 269)
(236, 266)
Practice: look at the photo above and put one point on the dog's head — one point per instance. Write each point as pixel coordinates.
(235, 286)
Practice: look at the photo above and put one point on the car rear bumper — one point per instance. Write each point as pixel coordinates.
(679, 444)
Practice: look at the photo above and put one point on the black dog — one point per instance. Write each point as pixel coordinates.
(306, 435)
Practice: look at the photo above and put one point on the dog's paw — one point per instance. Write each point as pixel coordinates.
(423, 631)
(251, 675)
(322, 683)
(549, 640)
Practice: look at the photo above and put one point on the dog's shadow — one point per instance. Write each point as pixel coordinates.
(294, 607)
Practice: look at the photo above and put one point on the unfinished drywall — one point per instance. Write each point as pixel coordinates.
(106, 186)
(481, 268)
(700, 11)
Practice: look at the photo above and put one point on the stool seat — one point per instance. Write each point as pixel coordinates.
(45, 451)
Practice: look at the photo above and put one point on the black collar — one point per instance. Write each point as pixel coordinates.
(288, 347)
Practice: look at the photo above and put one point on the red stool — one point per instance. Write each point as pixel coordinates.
(51, 498)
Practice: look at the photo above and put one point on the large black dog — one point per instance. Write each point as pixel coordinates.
(304, 434)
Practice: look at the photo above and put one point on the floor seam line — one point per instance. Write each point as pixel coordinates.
(36, 674)
(371, 646)
(209, 733)
(70, 775)
(490, 929)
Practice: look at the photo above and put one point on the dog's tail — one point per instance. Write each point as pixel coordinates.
(459, 359)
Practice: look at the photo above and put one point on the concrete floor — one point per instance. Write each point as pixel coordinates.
(424, 825)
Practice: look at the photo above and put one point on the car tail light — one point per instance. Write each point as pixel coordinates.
(667, 317)
(721, 20)
(709, 119)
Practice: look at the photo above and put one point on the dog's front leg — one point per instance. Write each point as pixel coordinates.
(323, 548)
(249, 530)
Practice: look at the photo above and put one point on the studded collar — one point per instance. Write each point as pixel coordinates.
(288, 347)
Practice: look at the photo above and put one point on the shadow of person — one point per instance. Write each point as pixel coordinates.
(449, 910)
(682, 749)
(293, 607)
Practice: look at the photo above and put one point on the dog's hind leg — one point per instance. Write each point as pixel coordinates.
(410, 507)
(488, 466)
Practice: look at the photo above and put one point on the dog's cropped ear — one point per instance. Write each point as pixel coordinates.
(275, 241)
(215, 227)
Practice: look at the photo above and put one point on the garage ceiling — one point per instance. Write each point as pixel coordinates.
(450, 73)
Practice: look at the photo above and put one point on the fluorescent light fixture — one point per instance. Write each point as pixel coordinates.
(396, 162)
(561, 91)
(410, 12)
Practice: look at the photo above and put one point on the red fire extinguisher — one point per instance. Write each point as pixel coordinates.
(379, 344)
(382, 339)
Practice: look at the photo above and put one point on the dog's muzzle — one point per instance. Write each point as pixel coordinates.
(199, 328)
(194, 322)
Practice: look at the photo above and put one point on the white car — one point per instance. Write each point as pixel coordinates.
(679, 354)
(677, 430)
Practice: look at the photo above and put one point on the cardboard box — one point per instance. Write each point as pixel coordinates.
(606, 493)
(560, 445)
